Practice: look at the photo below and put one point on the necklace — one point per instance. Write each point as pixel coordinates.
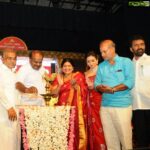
(67, 77)
(93, 70)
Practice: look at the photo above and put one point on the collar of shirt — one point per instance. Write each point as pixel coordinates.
(116, 58)
(140, 58)
(6, 68)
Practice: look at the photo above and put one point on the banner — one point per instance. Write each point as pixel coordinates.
(12, 42)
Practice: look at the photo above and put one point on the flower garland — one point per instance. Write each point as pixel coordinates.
(47, 127)
(23, 127)
(71, 134)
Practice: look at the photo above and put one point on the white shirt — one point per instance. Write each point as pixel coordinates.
(7, 85)
(31, 77)
(9, 130)
(141, 91)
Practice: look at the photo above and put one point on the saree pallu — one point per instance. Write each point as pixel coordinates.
(76, 97)
(96, 140)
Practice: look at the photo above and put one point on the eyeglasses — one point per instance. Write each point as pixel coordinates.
(11, 58)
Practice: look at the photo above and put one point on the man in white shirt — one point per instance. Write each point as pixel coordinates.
(9, 126)
(141, 92)
(30, 80)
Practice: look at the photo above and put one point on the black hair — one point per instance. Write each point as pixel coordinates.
(67, 60)
(91, 53)
(35, 51)
(135, 37)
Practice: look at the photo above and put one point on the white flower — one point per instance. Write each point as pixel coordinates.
(47, 127)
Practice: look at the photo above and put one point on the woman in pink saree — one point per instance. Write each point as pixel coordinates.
(72, 90)
(96, 140)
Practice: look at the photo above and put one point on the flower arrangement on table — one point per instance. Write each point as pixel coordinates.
(49, 77)
(47, 128)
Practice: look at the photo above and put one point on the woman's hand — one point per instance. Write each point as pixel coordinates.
(89, 83)
(60, 79)
(74, 84)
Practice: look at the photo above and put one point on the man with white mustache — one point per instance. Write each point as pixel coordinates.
(141, 92)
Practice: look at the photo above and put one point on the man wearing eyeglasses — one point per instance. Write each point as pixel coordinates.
(9, 126)
(115, 79)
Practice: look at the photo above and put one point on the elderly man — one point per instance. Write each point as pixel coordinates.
(115, 79)
(30, 80)
(9, 126)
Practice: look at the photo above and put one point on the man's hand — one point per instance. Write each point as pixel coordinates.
(55, 92)
(31, 89)
(22, 88)
(104, 89)
(12, 114)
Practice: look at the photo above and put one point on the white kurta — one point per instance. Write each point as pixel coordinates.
(141, 91)
(9, 130)
(31, 77)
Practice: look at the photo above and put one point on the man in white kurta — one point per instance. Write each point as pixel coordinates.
(141, 93)
(30, 81)
(9, 125)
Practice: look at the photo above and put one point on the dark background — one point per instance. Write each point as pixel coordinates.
(72, 31)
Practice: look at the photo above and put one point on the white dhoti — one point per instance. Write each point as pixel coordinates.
(9, 132)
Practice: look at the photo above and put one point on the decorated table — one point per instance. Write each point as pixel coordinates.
(47, 128)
